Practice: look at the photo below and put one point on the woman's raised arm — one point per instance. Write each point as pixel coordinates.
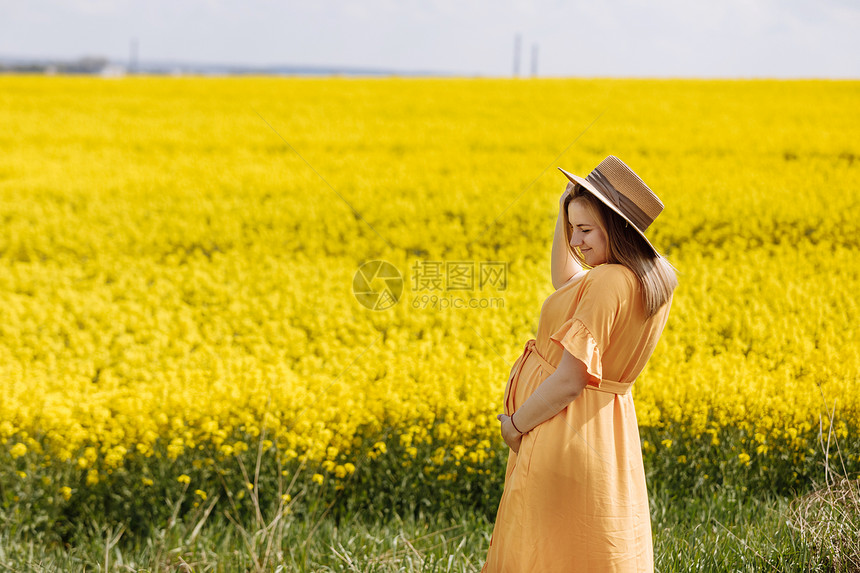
(564, 265)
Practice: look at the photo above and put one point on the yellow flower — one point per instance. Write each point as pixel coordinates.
(91, 454)
(200, 493)
(184, 479)
(175, 448)
(66, 492)
(167, 387)
(317, 478)
(21, 475)
(115, 457)
(18, 450)
(443, 430)
(286, 498)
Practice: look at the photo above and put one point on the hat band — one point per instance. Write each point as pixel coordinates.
(624, 204)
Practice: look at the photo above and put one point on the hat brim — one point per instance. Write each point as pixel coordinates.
(597, 193)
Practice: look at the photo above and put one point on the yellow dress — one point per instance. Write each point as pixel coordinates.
(574, 497)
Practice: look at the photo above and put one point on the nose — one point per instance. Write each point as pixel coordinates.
(575, 238)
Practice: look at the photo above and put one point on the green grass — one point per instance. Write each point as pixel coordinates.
(387, 519)
(385, 524)
(724, 531)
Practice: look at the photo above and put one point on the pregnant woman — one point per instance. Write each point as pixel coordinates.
(574, 496)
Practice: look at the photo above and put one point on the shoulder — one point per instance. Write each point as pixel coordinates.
(613, 276)
(609, 291)
(611, 285)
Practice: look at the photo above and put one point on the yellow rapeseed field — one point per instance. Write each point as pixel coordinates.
(178, 260)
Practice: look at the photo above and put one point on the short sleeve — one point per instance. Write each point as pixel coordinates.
(604, 293)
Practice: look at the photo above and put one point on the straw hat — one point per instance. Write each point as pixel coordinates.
(623, 191)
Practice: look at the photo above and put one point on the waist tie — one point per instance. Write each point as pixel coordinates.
(608, 386)
(531, 348)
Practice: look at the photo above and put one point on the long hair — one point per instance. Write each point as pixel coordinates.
(626, 246)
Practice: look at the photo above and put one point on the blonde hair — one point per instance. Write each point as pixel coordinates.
(627, 247)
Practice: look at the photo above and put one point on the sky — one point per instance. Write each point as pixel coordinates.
(582, 38)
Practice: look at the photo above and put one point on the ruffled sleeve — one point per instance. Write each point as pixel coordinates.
(574, 337)
(605, 293)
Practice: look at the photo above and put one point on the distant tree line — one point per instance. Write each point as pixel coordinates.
(85, 65)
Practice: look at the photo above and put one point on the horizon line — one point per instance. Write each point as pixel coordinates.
(217, 69)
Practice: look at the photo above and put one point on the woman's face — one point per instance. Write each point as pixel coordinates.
(586, 233)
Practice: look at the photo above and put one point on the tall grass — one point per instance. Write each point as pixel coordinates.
(725, 529)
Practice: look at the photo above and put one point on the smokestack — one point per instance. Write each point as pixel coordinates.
(132, 56)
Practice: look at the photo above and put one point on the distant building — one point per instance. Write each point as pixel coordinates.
(113, 71)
